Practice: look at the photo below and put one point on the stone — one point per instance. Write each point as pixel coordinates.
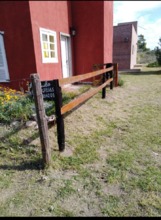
(31, 123)
(15, 123)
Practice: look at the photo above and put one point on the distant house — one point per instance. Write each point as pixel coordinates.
(125, 45)
(53, 38)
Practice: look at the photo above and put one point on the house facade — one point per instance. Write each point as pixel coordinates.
(125, 45)
(55, 39)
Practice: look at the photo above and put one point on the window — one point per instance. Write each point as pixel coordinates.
(4, 75)
(48, 46)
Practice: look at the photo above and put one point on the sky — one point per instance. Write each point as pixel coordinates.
(148, 15)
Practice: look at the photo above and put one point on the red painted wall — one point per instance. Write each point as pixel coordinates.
(15, 22)
(21, 21)
(87, 19)
(93, 21)
(53, 15)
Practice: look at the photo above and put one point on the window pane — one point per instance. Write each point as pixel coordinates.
(52, 47)
(46, 54)
(51, 38)
(52, 54)
(45, 45)
(44, 37)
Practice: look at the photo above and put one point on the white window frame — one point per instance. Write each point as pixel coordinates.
(55, 50)
(3, 61)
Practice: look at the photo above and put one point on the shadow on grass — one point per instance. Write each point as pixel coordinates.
(12, 132)
(28, 165)
(15, 131)
(152, 72)
(16, 151)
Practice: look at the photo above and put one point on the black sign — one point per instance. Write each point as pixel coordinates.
(47, 90)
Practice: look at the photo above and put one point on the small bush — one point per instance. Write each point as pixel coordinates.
(14, 105)
(154, 64)
(120, 82)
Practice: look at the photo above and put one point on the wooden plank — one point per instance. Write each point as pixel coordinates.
(82, 98)
(82, 76)
(111, 83)
(41, 117)
(104, 88)
(59, 116)
(110, 74)
(116, 74)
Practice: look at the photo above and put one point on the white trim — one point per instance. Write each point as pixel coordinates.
(64, 34)
(48, 50)
(70, 52)
(4, 73)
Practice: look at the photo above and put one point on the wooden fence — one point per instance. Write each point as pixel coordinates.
(109, 76)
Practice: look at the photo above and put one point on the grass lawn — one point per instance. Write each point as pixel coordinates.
(111, 165)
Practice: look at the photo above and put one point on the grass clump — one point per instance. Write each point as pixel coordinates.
(120, 82)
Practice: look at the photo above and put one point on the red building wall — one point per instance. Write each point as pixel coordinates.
(53, 15)
(93, 21)
(87, 19)
(15, 22)
(21, 21)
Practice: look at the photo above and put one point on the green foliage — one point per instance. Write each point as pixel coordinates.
(154, 64)
(19, 106)
(158, 53)
(120, 82)
(145, 57)
(20, 109)
(66, 98)
(142, 43)
(49, 107)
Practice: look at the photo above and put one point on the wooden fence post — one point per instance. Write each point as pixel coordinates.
(41, 117)
(110, 74)
(104, 89)
(59, 116)
(116, 74)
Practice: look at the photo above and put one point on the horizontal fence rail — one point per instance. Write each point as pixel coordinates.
(109, 74)
(74, 79)
(83, 97)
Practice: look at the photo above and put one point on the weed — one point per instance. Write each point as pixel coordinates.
(120, 82)
(66, 190)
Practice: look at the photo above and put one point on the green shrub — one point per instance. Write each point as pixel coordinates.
(154, 64)
(20, 109)
(120, 82)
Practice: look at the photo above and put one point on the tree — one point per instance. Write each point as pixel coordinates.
(142, 43)
(158, 52)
